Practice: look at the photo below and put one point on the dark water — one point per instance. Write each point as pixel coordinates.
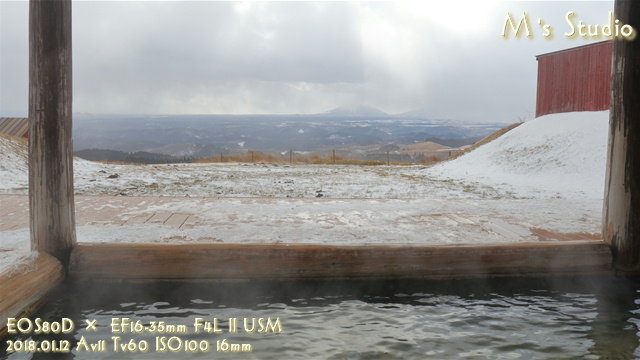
(577, 318)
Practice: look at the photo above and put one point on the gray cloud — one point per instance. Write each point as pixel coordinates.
(14, 58)
(296, 57)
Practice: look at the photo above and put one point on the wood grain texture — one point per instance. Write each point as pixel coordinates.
(24, 287)
(295, 262)
(576, 79)
(51, 199)
(621, 218)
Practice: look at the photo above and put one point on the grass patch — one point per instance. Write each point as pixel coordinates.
(109, 162)
(412, 177)
(486, 140)
(433, 159)
(247, 157)
(17, 145)
(254, 156)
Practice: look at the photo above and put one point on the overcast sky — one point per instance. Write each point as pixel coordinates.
(202, 57)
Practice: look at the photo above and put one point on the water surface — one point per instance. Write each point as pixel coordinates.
(558, 318)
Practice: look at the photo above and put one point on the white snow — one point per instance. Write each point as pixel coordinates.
(324, 221)
(559, 155)
(13, 166)
(546, 173)
(15, 249)
(554, 156)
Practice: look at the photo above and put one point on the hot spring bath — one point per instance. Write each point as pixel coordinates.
(527, 318)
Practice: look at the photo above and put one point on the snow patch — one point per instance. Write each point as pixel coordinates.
(553, 156)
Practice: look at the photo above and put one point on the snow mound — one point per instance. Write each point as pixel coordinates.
(13, 163)
(14, 166)
(558, 155)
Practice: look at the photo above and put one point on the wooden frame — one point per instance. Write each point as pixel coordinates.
(324, 262)
(51, 161)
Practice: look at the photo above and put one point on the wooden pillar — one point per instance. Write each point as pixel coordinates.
(621, 216)
(51, 202)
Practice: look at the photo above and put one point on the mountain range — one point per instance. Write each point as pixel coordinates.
(210, 135)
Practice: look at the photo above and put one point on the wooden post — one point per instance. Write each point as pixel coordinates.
(621, 216)
(334, 157)
(51, 201)
(388, 159)
(290, 156)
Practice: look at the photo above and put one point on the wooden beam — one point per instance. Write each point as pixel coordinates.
(621, 216)
(24, 287)
(51, 200)
(118, 261)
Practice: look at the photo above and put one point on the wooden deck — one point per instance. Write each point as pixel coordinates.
(522, 251)
(133, 211)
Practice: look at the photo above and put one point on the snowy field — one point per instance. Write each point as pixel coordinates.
(556, 156)
(548, 172)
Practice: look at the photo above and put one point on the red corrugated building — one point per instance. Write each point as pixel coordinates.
(576, 79)
(18, 127)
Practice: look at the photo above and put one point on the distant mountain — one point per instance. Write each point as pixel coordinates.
(355, 111)
(212, 135)
(416, 113)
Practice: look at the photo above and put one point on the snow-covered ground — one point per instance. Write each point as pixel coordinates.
(555, 156)
(13, 166)
(559, 158)
(272, 180)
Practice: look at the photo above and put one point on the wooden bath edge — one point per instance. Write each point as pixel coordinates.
(144, 261)
(26, 286)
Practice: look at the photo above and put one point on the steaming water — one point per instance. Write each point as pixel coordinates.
(578, 318)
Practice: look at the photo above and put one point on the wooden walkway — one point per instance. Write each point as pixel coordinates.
(240, 239)
(96, 210)
(229, 215)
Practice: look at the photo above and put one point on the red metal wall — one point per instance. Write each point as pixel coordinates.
(576, 79)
